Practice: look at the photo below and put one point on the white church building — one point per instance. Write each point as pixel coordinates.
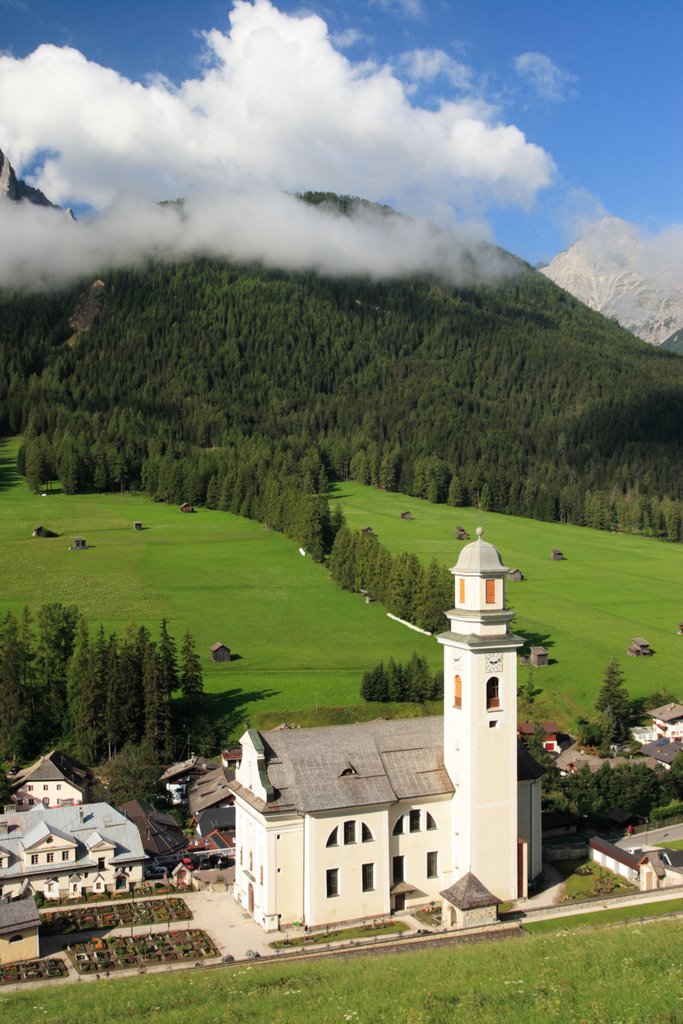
(352, 822)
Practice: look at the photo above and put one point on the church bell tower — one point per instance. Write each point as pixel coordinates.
(480, 723)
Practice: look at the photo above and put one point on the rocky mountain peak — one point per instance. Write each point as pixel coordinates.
(614, 271)
(14, 188)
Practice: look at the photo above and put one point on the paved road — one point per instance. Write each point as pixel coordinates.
(653, 837)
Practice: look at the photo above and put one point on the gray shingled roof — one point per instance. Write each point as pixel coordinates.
(668, 712)
(18, 914)
(54, 766)
(390, 760)
(77, 823)
(468, 893)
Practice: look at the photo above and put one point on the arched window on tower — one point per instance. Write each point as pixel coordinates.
(492, 694)
(457, 692)
(333, 838)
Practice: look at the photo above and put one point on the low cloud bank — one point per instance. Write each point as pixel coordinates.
(43, 248)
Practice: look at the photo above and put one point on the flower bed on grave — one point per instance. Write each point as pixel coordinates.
(32, 970)
(66, 922)
(125, 951)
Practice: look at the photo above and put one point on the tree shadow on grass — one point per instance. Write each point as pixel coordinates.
(8, 467)
(536, 640)
(233, 704)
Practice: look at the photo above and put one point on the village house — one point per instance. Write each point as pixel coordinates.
(68, 851)
(55, 780)
(219, 652)
(550, 734)
(211, 790)
(160, 834)
(19, 930)
(177, 777)
(667, 721)
(662, 751)
(358, 821)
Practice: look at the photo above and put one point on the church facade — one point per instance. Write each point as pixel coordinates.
(351, 822)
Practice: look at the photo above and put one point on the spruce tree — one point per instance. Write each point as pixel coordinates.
(191, 680)
(614, 704)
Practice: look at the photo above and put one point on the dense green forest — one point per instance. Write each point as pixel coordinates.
(59, 686)
(231, 385)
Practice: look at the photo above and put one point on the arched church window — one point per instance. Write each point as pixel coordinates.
(333, 838)
(431, 824)
(457, 692)
(16, 938)
(492, 694)
(398, 827)
(366, 834)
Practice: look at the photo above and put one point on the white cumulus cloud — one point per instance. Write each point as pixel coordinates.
(275, 105)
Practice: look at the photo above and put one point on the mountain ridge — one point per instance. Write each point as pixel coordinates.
(612, 271)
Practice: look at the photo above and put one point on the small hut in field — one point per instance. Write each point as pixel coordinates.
(538, 657)
(186, 507)
(79, 544)
(219, 652)
(556, 555)
(137, 525)
(406, 515)
(515, 575)
(639, 648)
(461, 533)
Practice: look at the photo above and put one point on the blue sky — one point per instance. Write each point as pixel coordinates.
(577, 105)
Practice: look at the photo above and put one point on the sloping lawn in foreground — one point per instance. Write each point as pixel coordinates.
(621, 976)
(602, 917)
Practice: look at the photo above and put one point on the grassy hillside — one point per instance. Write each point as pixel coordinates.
(300, 640)
(585, 610)
(601, 976)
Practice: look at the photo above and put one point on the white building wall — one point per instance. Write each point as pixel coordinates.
(50, 794)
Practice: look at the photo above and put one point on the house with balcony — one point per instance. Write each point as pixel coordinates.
(55, 780)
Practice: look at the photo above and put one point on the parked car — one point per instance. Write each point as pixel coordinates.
(155, 871)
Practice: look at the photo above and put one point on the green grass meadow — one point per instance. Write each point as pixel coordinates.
(607, 976)
(299, 640)
(302, 643)
(585, 610)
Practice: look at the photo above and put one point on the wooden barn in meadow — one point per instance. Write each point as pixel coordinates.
(219, 652)
(639, 648)
(538, 657)
(461, 533)
(186, 507)
(137, 525)
(556, 555)
(367, 531)
(515, 575)
(406, 515)
(79, 544)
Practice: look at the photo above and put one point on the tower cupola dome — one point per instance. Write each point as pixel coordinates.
(480, 557)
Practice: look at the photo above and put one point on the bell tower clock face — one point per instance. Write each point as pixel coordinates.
(493, 662)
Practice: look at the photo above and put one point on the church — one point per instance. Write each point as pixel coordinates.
(351, 822)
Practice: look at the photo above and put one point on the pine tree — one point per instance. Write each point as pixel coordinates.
(191, 680)
(375, 684)
(168, 661)
(614, 704)
(14, 735)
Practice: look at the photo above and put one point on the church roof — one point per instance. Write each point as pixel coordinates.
(480, 557)
(468, 893)
(392, 760)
